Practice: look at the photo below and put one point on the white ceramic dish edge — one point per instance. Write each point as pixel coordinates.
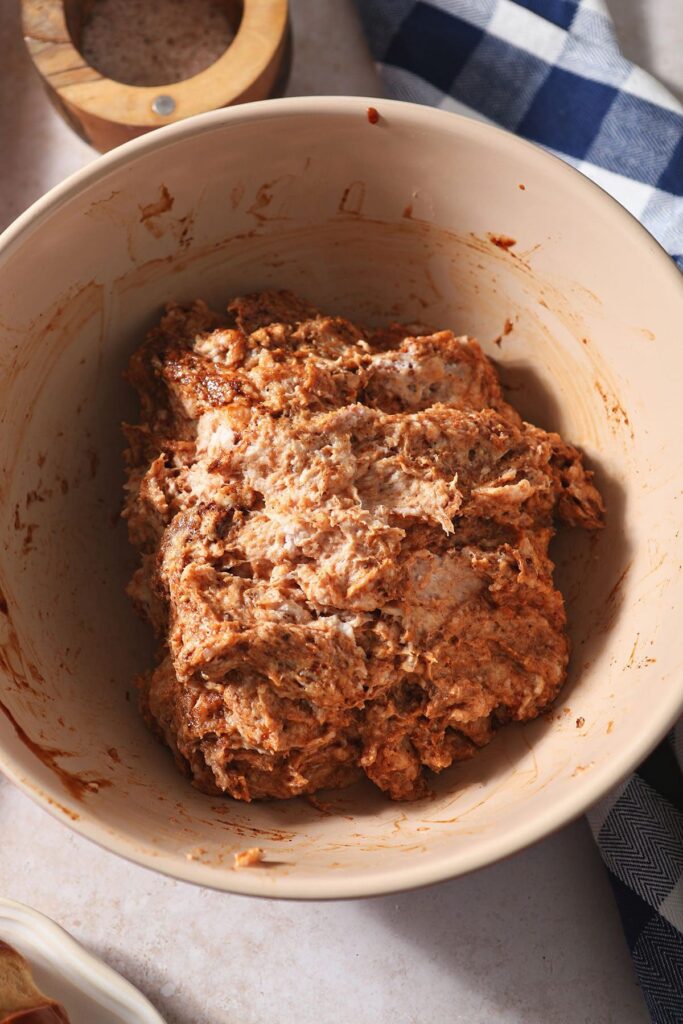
(106, 993)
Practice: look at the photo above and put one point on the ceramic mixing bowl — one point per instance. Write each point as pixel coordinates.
(423, 216)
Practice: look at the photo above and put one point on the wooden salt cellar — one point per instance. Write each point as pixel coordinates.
(107, 113)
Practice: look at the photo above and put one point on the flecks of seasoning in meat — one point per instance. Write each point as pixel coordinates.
(522, 187)
(580, 722)
(373, 115)
(344, 548)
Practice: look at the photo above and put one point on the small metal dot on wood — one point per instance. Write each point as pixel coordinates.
(163, 105)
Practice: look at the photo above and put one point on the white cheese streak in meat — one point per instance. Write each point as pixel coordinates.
(343, 544)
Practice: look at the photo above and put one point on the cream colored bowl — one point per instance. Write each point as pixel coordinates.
(412, 217)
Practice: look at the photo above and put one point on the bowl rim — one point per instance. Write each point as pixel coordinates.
(591, 786)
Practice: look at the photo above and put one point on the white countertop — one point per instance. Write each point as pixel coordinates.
(535, 939)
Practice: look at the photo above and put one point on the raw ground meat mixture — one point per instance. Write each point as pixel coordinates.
(343, 541)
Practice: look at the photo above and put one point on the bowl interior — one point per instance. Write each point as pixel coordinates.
(412, 218)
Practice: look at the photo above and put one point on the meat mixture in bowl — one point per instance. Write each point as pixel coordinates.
(343, 541)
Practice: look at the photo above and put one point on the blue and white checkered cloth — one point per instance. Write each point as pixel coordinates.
(551, 71)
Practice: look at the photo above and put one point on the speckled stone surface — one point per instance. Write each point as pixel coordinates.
(535, 939)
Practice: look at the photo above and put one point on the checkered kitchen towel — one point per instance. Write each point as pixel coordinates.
(551, 71)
